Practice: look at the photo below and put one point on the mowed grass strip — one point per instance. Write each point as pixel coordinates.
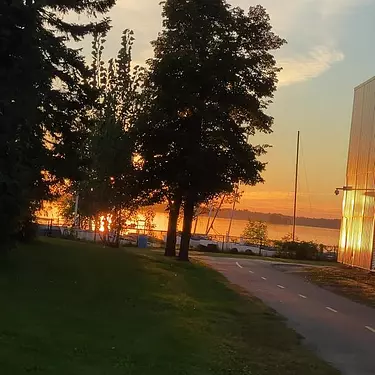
(70, 308)
(246, 256)
(353, 283)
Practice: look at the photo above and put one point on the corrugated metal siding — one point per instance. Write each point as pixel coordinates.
(357, 228)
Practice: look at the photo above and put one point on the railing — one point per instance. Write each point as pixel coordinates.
(156, 238)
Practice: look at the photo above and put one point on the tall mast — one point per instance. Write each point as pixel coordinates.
(232, 215)
(296, 189)
(215, 216)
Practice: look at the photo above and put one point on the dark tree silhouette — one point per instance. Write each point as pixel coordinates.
(111, 182)
(44, 101)
(212, 78)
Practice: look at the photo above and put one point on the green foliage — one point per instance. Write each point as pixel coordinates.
(298, 250)
(149, 215)
(256, 232)
(110, 146)
(44, 101)
(111, 183)
(28, 230)
(210, 82)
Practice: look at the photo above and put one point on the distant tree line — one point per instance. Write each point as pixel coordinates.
(121, 137)
(279, 219)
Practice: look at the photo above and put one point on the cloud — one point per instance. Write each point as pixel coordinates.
(300, 68)
(290, 15)
(312, 28)
(338, 7)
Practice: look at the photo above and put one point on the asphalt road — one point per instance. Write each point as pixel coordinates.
(341, 331)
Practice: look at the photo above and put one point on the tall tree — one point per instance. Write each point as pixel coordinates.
(110, 186)
(256, 232)
(212, 78)
(44, 99)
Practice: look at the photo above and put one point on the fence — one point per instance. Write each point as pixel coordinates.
(157, 238)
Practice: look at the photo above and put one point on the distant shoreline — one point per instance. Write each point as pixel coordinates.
(280, 219)
(272, 218)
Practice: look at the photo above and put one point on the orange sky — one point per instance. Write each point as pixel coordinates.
(309, 205)
(318, 178)
(327, 55)
(322, 168)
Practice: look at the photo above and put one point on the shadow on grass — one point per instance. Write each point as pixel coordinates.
(73, 308)
(356, 284)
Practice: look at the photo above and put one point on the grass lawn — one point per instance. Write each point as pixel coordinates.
(195, 253)
(356, 284)
(69, 308)
(268, 259)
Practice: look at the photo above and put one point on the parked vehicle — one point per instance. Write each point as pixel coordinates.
(233, 247)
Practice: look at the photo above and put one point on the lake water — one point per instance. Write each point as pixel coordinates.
(326, 236)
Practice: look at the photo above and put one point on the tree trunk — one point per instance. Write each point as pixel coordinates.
(174, 211)
(95, 228)
(106, 231)
(4, 253)
(186, 230)
(118, 228)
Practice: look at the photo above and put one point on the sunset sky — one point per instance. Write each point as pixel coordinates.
(329, 52)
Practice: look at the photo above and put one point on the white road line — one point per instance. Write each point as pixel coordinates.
(331, 309)
(251, 271)
(370, 329)
(302, 296)
(264, 278)
(281, 287)
(239, 265)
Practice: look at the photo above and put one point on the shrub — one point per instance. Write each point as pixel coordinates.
(297, 250)
(28, 231)
(70, 234)
(212, 248)
(202, 248)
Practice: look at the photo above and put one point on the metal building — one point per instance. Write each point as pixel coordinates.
(356, 245)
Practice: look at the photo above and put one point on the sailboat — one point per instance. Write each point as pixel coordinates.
(295, 195)
(296, 188)
(227, 239)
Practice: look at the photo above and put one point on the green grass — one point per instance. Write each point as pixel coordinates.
(69, 308)
(268, 259)
(197, 254)
(355, 284)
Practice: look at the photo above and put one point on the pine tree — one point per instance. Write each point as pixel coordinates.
(212, 77)
(44, 101)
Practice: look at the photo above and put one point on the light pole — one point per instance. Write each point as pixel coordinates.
(349, 188)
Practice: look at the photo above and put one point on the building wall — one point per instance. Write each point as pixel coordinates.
(357, 228)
